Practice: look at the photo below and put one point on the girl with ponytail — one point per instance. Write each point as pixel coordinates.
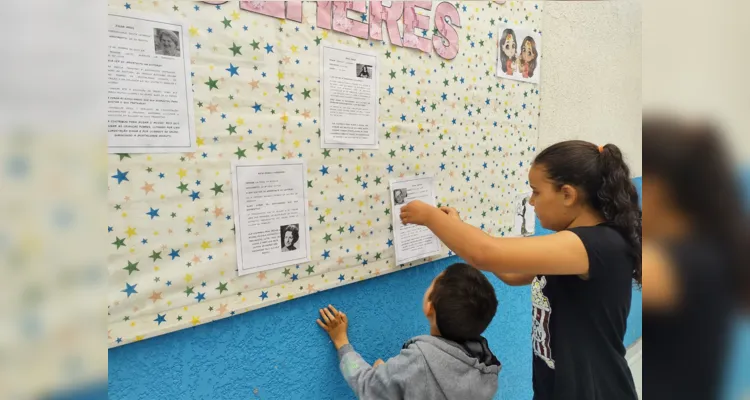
(581, 276)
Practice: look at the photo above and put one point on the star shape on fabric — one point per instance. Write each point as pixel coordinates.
(152, 212)
(232, 70)
(235, 49)
(323, 170)
(257, 107)
(212, 84)
(222, 287)
(231, 129)
(195, 195)
(123, 155)
(121, 176)
(217, 189)
(174, 253)
(222, 309)
(269, 48)
(129, 289)
(227, 23)
(200, 297)
(326, 254)
(327, 237)
(160, 318)
(255, 45)
(263, 295)
(240, 153)
(131, 267)
(310, 269)
(286, 272)
(119, 242)
(306, 93)
(188, 290)
(155, 296)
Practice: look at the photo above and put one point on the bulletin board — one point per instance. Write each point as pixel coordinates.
(172, 259)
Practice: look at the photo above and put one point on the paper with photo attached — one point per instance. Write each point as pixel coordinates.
(349, 98)
(525, 217)
(149, 93)
(412, 242)
(270, 222)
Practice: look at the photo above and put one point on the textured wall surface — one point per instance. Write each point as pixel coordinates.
(592, 75)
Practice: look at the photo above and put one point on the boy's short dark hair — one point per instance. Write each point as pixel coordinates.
(464, 302)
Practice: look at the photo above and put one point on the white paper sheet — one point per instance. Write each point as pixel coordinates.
(519, 53)
(270, 203)
(525, 218)
(412, 242)
(349, 98)
(150, 100)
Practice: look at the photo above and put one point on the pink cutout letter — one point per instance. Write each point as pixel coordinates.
(342, 23)
(270, 8)
(324, 15)
(446, 43)
(389, 15)
(294, 10)
(413, 20)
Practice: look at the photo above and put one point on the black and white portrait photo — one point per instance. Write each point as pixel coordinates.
(399, 196)
(166, 42)
(289, 237)
(364, 71)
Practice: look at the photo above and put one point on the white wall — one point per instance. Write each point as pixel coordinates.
(591, 79)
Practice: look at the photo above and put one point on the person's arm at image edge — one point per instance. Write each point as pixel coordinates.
(562, 253)
(661, 293)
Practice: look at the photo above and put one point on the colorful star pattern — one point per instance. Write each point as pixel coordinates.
(172, 257)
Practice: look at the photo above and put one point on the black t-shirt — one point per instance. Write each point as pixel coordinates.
(579, 325)
(687, 345)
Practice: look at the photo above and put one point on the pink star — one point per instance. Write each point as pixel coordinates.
(155, 296)
(196, 259)
(310, 288)
(218, 211)
(222, 309)
(261, 276)
(340, 261)
(338, 179)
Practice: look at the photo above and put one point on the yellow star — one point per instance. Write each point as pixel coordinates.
(324, 34)
(138, 338)
(235, 15)
(188, 277)
(294, 49)
(182, 173)
(280, 75)
(190, 220)
(200, 141)
(285, 118)
(130, 232)
(195, 320)
(296, 143)
(193, 31)
(240, 121)
(205, 245)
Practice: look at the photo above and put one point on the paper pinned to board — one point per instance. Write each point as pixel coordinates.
(270, 202)
(150, 98)
(412, 242)
(524, 220)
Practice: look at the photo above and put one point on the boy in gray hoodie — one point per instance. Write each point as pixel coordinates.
(453, 362)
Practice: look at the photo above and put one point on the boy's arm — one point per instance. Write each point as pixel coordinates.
(386, 381)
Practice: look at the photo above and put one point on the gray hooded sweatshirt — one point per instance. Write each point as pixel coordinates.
(428, 367)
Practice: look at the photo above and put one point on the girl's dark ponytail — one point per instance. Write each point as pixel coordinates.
(618, 201)
(604, 179)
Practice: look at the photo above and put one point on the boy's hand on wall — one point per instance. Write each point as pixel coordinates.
(335, 323)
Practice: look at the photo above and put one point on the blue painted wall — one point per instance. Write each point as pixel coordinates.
(279, 352)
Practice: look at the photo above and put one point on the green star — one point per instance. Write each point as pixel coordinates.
(309, 184)
(317, 41)
(327, 237)
(321, 219)
(377, 180)
(403, 70)
(119, 242)
(235, 49)
(155, 256)
(183, 187)
(280, 87)
(227, 23)
(358, 179)
(310, 269)
(232, 129)
(217, 189)
(259, 146)
(188, 290)
(444, 153)
(326, 153)
(123, 155)
(240, 153)
(132, 267)
(392, 153)
(212, 84)
(286, 272)
(387, 54)
(341, 229)
(359, 257)
(222, 287)
(403, 147)
(392, 74)
(255, 45)
(433, 106)
(306, 93)
(387, 211)
(445, 82)
(442, 64)
(377, 256)
(387, 135)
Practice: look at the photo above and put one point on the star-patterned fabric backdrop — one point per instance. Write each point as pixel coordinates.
(172, 261)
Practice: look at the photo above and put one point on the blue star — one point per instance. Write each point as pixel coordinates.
(127, 6)
(144, 241)
(153, 213)
(442, 166)
(233, 70)
(174, 253)
(326, 254)
(209, 30)
(389, 242)
(119, 340)
(453, 189)
(351, 228)
(129, 289)
(489, 35)
(294, 277)
(289, 97)
(364, 262)
(422, 109)
(198, 46)
(269, 48)
(412, 72)
(520, 164)
(487, 102)
(444, 96)
(160, 318)
(203, 120)
(364, 185)
(195, 195)
(196, 8)
(121, 176)
(109, 229)
(341, 277)
(200, 297)
(169, 283)
(481, 227)
(403, 117)
(484, 165)
(161, 175)
(272, 147)
(454, 121)
(363, 17)
(257, 107)
(263, 295)
(390, 89)
(244, 27)
(341, 197)
(324, 170)
(389, 168)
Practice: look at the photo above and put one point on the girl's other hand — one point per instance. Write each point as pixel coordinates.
(451, 212)
(418, 213)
